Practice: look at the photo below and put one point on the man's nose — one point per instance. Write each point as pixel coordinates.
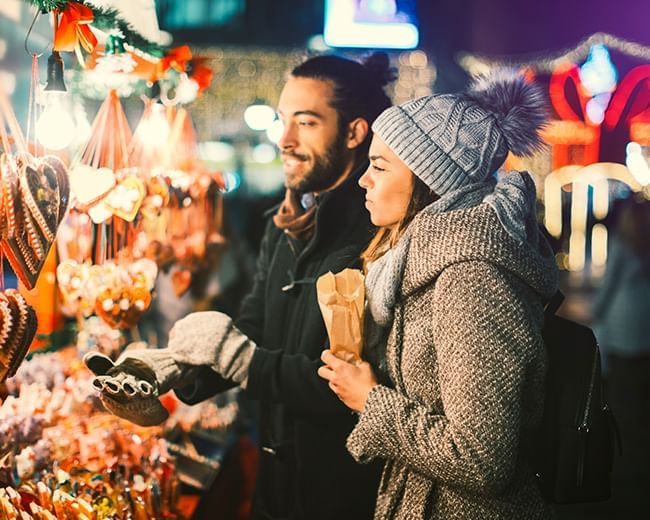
(288, 140)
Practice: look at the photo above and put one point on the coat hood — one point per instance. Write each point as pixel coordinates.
(475, 234)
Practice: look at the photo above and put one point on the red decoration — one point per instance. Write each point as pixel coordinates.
(74, 29)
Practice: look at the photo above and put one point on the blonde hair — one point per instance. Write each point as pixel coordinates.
(386, 237)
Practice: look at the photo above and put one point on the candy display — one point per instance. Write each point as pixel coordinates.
(63, 456)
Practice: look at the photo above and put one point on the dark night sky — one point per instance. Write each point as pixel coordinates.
(504, 27)
(523, 28)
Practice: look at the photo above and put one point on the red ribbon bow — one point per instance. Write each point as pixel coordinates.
(74, 29)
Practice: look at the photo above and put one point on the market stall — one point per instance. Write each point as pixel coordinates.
(90, 219)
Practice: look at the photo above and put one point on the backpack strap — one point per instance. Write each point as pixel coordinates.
(554, 303)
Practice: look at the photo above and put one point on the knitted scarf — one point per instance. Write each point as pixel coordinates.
(292, 217)
(513, 200)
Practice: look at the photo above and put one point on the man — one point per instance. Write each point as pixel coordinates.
(305, 472)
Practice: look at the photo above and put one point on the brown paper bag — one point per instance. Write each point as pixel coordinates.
(341, 298)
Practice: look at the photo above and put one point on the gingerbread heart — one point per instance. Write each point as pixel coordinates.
(39, 187)
(125, 199)
(143, 272)
(63, 180)
(9, 176)
(90, 184)
(157, 196)
(122, 307)
(35, 199)
(99, 213)
(22, 329)
(71, 277)
(21, 242)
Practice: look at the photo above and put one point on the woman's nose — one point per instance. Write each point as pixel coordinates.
(364, 180)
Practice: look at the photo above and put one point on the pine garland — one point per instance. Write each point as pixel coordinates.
(109, 19)
(106, 20)
(45, 6)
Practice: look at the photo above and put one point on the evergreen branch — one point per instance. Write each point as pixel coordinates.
(45, 6)
(107, 19)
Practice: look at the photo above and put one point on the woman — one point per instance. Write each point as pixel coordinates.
(459, 276)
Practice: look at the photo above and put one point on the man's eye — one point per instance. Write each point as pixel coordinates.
(306, 123)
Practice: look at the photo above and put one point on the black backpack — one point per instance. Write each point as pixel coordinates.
(572, 451)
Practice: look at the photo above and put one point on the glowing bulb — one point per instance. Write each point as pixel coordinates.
(598, 74)
(275, 130)
(595, 111)
(154, 130)
(264, 153)
(637, 163)
(55, 128)
(259, 116)
(187, 90)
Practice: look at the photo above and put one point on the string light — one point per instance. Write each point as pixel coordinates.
(547, 64)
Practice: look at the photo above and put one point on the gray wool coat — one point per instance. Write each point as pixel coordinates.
(466, 357)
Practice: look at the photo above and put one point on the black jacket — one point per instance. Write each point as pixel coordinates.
(305, 470)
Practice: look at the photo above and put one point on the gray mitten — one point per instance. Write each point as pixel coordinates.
(130, 387)
(210, 338)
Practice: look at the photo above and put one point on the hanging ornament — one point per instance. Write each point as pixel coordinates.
(115, 58)
(200, 73)
(73, 31)
(177, 59)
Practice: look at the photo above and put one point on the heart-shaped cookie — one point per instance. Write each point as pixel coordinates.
(157, 196)
(39, 187)
(125, 199)
(90, 184)
(22, 329)
(63, 180)
(71, 277)
(122, 307)
(143, 272)
(18, 229)
(9, 186)
(35, 199)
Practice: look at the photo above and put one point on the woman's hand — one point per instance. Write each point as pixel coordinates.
(350, 382)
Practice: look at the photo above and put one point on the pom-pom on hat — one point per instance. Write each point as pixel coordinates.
(453, 140)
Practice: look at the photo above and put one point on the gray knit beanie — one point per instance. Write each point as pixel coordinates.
(454, 140)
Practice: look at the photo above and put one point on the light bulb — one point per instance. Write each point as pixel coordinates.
(264, 153)
(275, 130)
(187, 90)
(259, 116)
(637, 163)
(154, 129)
(55, 128)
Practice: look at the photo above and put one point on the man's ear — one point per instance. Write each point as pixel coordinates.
(357, 132)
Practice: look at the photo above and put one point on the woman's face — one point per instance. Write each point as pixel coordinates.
(388, 183)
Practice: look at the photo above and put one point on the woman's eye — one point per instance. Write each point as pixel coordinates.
(378, 169)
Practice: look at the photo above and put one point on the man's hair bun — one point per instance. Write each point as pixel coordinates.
(378, 64)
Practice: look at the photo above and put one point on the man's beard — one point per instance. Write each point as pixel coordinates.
(327, 168)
